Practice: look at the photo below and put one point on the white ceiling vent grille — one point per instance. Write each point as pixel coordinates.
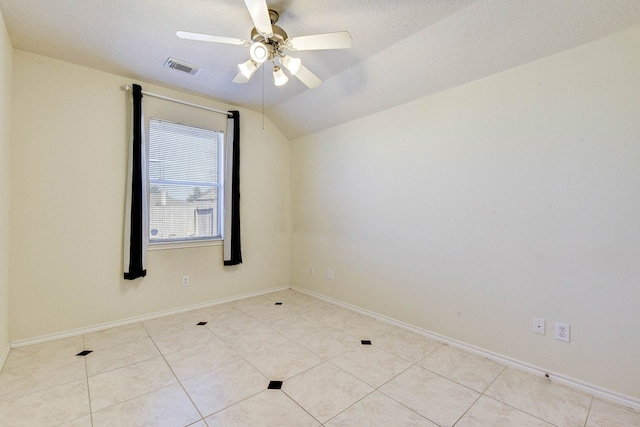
(182, 66)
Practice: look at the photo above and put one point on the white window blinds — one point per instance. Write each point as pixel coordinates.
(185, 195)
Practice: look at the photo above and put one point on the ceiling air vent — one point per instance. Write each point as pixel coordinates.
(182, 66)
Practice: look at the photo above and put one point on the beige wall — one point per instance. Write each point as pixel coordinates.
(6, 56)
(69, 137)
(469, 212)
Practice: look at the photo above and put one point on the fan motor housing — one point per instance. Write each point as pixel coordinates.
(279, 36)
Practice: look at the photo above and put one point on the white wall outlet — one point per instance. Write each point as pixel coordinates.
(538, 326)
(310, 271)
(563, 331)
(330, 275)
(185, 280)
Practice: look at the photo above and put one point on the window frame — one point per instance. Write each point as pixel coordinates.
(219, 185)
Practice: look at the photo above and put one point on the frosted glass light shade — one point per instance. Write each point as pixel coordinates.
(292, 64)
(247, 68)
(259, 52)
(279, 78)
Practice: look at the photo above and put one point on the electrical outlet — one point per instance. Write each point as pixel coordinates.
(538, 326)
(310, 271)
(563, 331)
(185, 280)
(330, 275)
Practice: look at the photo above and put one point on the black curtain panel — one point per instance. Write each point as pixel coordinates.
(232, 251)
(136, 231)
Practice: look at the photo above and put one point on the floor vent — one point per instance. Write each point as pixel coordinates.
(182, 66)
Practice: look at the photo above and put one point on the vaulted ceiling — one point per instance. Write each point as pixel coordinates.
(402, 50)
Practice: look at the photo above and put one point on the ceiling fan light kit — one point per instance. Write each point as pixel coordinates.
(270, 42)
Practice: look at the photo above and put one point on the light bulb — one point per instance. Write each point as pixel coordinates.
(259, 52)
(292, 64)
(247, 68)
(279, 77)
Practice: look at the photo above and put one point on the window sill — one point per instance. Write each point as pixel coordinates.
(181, 245)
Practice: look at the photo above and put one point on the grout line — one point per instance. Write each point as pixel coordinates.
(520, 410)
(586, 420)
(174, 375)
(86, 377)
(609, 396)
(269, 324)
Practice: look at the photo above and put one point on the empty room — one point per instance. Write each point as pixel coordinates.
(320, 213)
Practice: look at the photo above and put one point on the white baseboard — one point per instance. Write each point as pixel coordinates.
(4, 355)
(592, 389)
(136, 319)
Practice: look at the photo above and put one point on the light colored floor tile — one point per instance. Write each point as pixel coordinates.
(248, 304)
(304, 300)
(544, 399)
(273, 313)
(182, 338)
(293, 297)
(604, 414)
(118, 385)
(378, 410)
(169, 406)
(297, 327)
(114, 336)
(166, 324)
(201, 358)
(371, 365)
(25, 379)
(49, 407)
(487, 412)
(462, 367)
(271, 408)
(215, 313)
(328, 343)
(232, 325)
(336, 317)
(225, 386)
(120, 355)
(325, 391)
(406, 344)
(311, 345)
(254, 340)
(432, 396)
(366, 328)
(78, 422)
(44, 352)
(282, 361)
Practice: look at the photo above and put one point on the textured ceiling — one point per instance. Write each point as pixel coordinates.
(402, 50)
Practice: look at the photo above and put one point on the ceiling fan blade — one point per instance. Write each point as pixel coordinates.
(215, 39)
(307, 77)
(240, 78)
(339, 40)
(260, 16)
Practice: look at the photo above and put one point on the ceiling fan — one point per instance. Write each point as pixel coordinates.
(270, 43)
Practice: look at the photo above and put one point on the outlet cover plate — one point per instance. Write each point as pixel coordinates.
(563, 331)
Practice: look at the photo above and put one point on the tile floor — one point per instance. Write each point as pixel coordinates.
(173, 371)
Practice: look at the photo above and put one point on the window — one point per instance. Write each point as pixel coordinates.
(185, 183)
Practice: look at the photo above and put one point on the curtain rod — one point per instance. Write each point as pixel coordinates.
(166, 98)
